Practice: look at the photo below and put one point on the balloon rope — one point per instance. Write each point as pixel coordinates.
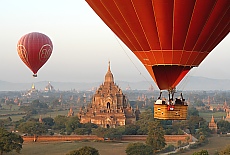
(132, 61)
(187, 79)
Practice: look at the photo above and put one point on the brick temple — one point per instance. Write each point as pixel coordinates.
(109, 107)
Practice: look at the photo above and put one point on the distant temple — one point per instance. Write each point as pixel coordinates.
(128, 88)
(32, 93)
(110, 107)
(40, 119)
(49, 88)
(212, 125)
(71, 112)
(151, 88)
(226, 108)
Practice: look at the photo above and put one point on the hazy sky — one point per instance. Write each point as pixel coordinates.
(83, 45)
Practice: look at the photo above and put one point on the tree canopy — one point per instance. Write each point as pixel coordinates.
(138, 149)
(145, 118)
(202, 152)
(155, 136)
(86, 150)
(9, 141)
(32, 128)
(223, 126)
(225, 150)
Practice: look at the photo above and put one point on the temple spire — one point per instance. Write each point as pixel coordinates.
(109, 67)
(109, 75)
(33, 86)
(212, 119)
(40, 119)
(212, 125)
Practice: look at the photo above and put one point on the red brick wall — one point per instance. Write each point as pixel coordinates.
(175, 138)
(60, 138)
(168, 138)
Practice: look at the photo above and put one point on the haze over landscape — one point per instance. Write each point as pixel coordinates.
(190, 83)
(83, 45)
(94, 96)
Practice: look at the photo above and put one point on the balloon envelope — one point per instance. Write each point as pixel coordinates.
(34, 49)
(168, 36)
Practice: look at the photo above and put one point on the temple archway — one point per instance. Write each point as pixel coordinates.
(108, 105)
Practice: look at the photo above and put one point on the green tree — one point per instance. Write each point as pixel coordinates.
(179, 143)
(72, 124)
(5, 122)
(39, 105)
(110, 133)
(131, 129)
(145, 118)
(138, 149)
(80, 131)
(192, 111)
(204, 130)
(202, 139)
(35, 108)
(55, 103)
(28, 110)
(113, 134)
(196, 122)
(225, 151)
(88, 127)
(202, 152)
(48, 121)
(60, 122)
(86, 150)
(199, 103)
(9, 142)
(155, 136)
(32, 128)
(100, 132)
(223, 126)
(169, 148)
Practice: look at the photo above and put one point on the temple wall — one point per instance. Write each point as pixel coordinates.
(168, 138)
(60, 138)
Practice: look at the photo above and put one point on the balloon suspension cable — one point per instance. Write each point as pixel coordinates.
(160, 95)
(182, 98)
(35, 75)
(132, 61)
(171, 92)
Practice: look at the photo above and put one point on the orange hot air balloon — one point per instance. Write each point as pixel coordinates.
(34, 49)
(168, 36)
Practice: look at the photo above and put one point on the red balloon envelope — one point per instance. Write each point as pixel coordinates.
(168, 36)
(34, 49)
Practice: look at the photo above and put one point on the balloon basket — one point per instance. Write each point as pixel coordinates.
(35, 75)
(170, 112)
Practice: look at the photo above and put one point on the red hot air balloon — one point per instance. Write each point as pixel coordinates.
(34, 49)
(168, 36)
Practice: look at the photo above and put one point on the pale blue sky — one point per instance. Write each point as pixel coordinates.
(83, 45)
